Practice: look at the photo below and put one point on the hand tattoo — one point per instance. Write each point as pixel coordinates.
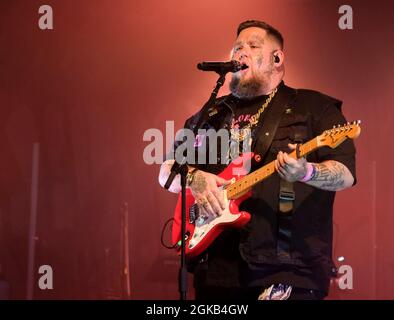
(199, 183)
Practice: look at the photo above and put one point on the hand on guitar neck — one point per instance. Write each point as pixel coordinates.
(329, 175)
(290, 169)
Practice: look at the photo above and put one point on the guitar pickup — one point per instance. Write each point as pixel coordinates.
(193, 213)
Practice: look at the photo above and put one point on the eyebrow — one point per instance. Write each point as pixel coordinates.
(253, 39)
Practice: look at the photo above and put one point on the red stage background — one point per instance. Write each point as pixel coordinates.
(89, 89)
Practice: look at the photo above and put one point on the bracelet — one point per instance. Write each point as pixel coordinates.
(310, 171)
(190, 176)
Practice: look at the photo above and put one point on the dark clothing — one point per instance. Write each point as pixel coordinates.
(249, 257)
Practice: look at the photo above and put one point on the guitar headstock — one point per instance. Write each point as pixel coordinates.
(335, 136)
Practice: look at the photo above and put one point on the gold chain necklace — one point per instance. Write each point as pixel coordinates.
(240, 134)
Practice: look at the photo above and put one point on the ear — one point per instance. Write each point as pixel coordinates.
(279, 58)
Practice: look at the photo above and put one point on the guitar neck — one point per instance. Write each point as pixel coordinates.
(241, 186)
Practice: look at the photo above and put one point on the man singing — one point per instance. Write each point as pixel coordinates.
(285, 250)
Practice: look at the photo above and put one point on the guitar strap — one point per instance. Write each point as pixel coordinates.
(265, 135)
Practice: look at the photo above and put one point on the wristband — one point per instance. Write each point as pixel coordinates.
(310, 170)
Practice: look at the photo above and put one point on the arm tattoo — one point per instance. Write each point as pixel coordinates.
(331, 176)
(199, 183)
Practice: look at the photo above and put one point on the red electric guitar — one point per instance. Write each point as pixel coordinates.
(201, 231)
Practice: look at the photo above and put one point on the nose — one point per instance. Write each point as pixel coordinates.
(242, 57)
(243, 53)
(238, 55)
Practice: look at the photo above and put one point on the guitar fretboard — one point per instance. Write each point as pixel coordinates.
(241, 186)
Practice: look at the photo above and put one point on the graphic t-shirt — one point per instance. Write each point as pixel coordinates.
(247, 116)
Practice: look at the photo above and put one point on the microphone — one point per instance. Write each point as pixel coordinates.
(222, 67)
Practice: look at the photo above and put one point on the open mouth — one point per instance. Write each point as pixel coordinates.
(245, 69)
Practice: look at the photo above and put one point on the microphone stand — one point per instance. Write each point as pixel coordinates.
(182, 169)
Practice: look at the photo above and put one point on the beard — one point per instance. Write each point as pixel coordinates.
(245, 89)
(255, 85)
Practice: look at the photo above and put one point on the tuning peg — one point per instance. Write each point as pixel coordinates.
(358, 121)
(333, 127)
